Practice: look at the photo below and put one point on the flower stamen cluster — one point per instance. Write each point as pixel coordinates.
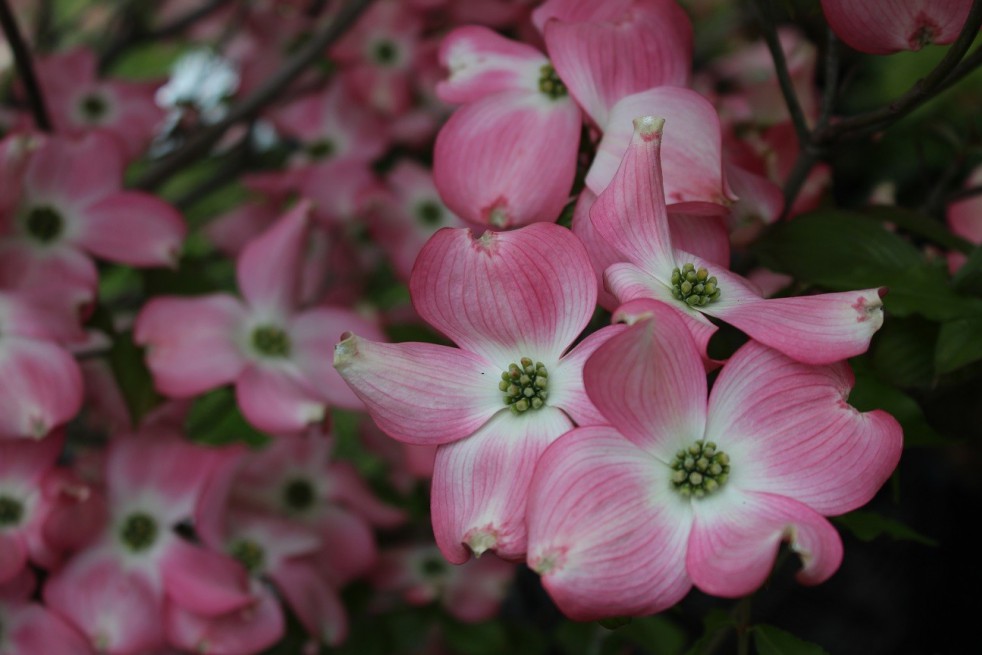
(44, 224)
(11, 511)
(694, 287)
(550, 84)
(271, 341)
(525, 386)
(249, 553)
(700, 469)
(139, 532)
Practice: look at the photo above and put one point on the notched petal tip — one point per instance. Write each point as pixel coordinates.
(648, 128)
(549, 561)
(481, 540)
(345, 350)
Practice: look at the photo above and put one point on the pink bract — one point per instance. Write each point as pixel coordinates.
(625, 518)
(507, 298)
(882, 27)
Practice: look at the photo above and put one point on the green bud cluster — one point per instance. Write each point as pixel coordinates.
(525, 386)
(550, 84)
(44, 224)
(139, 531)
(299, 495)
(700, 469)
(11, 511)
(271, 341)
(694, 286)
(94, 107)
(249, 553)
(321, 148)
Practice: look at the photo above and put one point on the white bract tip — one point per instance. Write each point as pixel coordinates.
(648, 127)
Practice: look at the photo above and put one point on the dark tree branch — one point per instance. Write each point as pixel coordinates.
(922, 90)
(201, 143)
(765, 15)
(25, 66)
(136, 35)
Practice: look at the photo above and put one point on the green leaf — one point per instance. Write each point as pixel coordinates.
(658, 635)
(774, 641)
(869, 393)
(215, 419)
(921, 225)
(841, 251)
(488, 638)
(714, 622)
(903, 351)
(867, 526)
(959, 343)
(132, 376)
(968, 278)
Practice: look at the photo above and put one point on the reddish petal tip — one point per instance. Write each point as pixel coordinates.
(345, 350)
(883, 291)
(648, 128)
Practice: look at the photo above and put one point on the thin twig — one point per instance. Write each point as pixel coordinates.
(200, 143)
(766, 16)
(175, 27)
(831, 89)
(922, 90)
(25, 66)
(962, 194)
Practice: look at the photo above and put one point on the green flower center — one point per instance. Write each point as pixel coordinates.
(550, 84)
(429, 212)
(700, 469)
(139, 532)
(299, 495)
(525, 386)
(695, 287)
(321, 149)
(385, 52)
(44, 224)
(94, 107)
(271, 341)
(11, 511)
(249, 553)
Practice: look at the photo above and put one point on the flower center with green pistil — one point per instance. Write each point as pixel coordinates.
(700, 469)
(549, 82)
(695, 287)
(385, 52)
(249, 553)
(44, 224)
(525, 386)
(139, 532)
(271, 341)
(11, 511)
(298, 494)
(94, 107)
(429, 212)
(321, 149)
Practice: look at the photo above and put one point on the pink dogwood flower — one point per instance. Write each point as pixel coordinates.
(28, 627)
(67, 205)
(80, 102)
(624, 518)
(274, 352)
(631, 215)
(882, 27)
(513, 302)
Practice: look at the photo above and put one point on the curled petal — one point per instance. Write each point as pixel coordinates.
(315, 602)
(482, 62)
(506, 295)
(190, 342)
(268, 270)
(277, 400)
(735, 538)
(204, 581)
(817, 329)
(602, 61)
(132, 228)
(480, 484)
(40, 387)
(882, 27)
(692, 149)
(566, 389)
(509, 159)
(650, 383)
(597, 506)
(419, 392)
(248, 630)
(790, 426)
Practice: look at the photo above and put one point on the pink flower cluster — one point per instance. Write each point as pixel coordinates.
(598, 461)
